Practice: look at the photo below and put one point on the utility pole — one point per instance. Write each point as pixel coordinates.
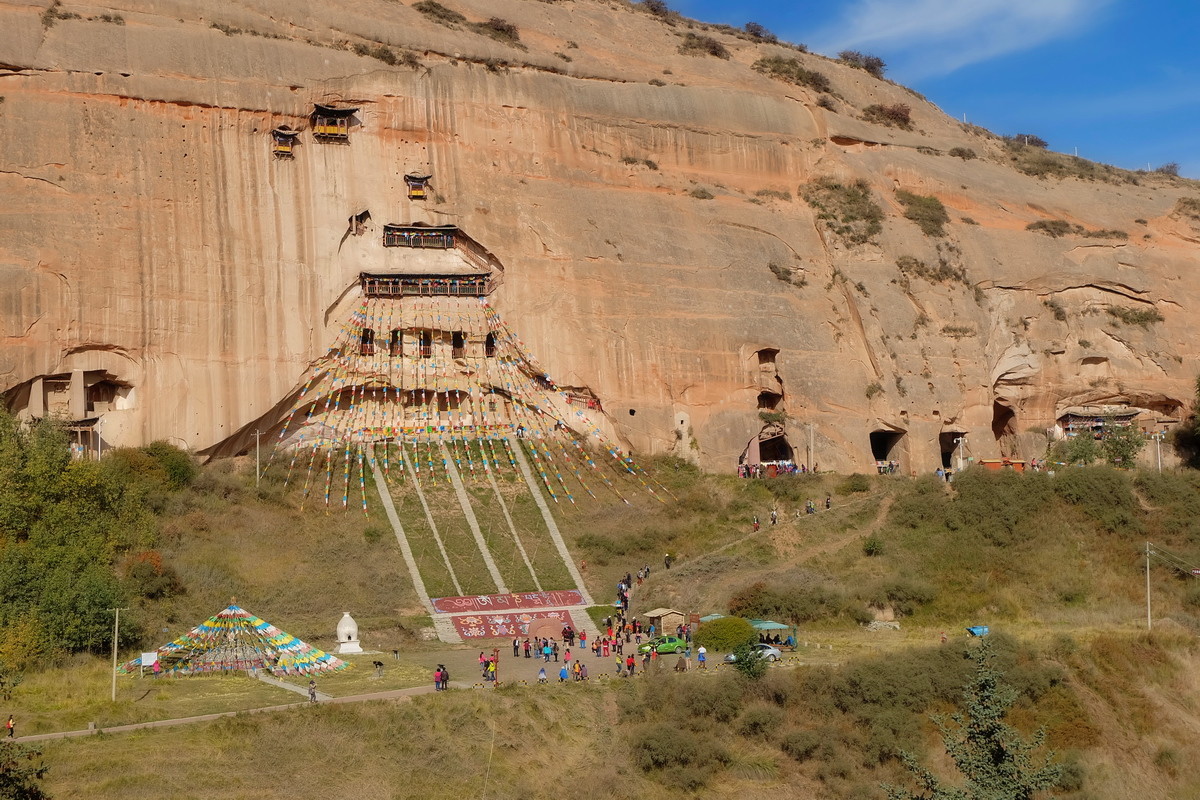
(959, 443)
(116, 635)
(810, 448)
(1149, 622)
(1158, 437)
(257, 471)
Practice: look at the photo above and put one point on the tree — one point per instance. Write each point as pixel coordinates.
(20, 770)
(759, 32)
(1170, 168)
(1121, 443)
(749, 661)
(726, 633)
(872, 65)
(995, 760)
(1029, 139)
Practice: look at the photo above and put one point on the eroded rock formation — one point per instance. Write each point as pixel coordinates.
(161, 270)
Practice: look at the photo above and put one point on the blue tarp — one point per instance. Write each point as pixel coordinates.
(978, 630)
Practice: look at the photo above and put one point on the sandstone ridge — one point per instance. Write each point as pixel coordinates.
(163, 275)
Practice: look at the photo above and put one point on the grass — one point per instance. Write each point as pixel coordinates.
(790, 70)
(1144, 317)
(847, 210)
(925, 210)
(1056, 228)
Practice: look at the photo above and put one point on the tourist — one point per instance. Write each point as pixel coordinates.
(554, 651)
(542, 675)
(12, 727)
(445, 677)
(312, 691)
(630, 664)
(583, 640)
(828, 502)
(702, 657)
(562, 674)
(516, 647)
(754, 524)
(526, 649)
(546, 651)
(582, 670)
(774, 517)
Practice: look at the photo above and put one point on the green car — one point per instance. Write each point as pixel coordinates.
(664, 645)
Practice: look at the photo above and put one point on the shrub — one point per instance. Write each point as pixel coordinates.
(656, 7)
(784, 274)
(657, 82)
(895, 115)
(791, 71)
(872, 65)
(1054, 227)
(826, 102)
(500, 30)
(873, 389)
(928, 212)
(698, 45)
(904, 595)
(681, 758)
(774, 194)
(872, 546)
(760, 33)
(439, 13)
(968, 221)
(1145, 317)
(848, 211)
(725, 634)
(801, 745)
(944, 271)
(965, 153)
(759, 720)
(795, 602)
(1028, 140)
(1171, 168)
(1060, 313)
(700, 193)
(853, 484)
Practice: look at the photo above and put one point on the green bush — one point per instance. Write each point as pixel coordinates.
(749, 662)
(965, 153)
(873, 65)
(759, 720)
(895, 115)
(904, 595)
(928, 212)
(796, 602)
(791, 71)
(439, 13)
(1102, 493)
(678, 757)
(854, 483)
(695, 44)
(872, 546)
(725, 634)
(847, 210)
(1145, 317)
(800, 744)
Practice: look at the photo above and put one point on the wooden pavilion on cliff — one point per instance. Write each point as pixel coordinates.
(418, 235)
(284, 141)
(418, 185)
(332, 124)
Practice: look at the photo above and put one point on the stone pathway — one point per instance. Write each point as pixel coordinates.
(291, 687)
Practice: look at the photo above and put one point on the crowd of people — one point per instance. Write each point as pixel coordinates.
(771, 469)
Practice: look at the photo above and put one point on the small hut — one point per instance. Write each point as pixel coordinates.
(418, 185)
(665, 620)
(284, 141)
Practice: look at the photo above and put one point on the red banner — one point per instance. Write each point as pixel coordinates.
(503, 626)
(487, 603)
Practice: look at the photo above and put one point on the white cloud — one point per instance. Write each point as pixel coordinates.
(924, 38)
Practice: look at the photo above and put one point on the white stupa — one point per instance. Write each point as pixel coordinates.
(347, 635)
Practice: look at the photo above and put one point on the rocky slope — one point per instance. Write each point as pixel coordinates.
(648, 206)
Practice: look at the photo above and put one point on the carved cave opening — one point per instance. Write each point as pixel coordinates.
(884, 444)
(1004, 428)
(777, 448)
(948, 444)
(769, 401)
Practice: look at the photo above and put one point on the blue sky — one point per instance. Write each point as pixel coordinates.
(1117, 79)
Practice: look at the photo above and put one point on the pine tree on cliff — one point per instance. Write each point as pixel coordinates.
(997, 762)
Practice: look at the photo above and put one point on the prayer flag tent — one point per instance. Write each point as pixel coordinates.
(236, 640)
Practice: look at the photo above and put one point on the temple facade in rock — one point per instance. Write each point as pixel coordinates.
(207, 224)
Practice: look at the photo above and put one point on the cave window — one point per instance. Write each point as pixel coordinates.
(883, 444)
(458, 344)
(766, 357)
(1003, 421)
(489, 346)
(366, 342)
(426, 344)
(769, 400)
(632, 412)
(777, 448)
(396, 343)
(948, 444)
(358, 223)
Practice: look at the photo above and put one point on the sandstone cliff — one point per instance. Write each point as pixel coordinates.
(162, 271)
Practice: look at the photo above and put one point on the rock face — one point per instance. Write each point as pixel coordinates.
(164, 273)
